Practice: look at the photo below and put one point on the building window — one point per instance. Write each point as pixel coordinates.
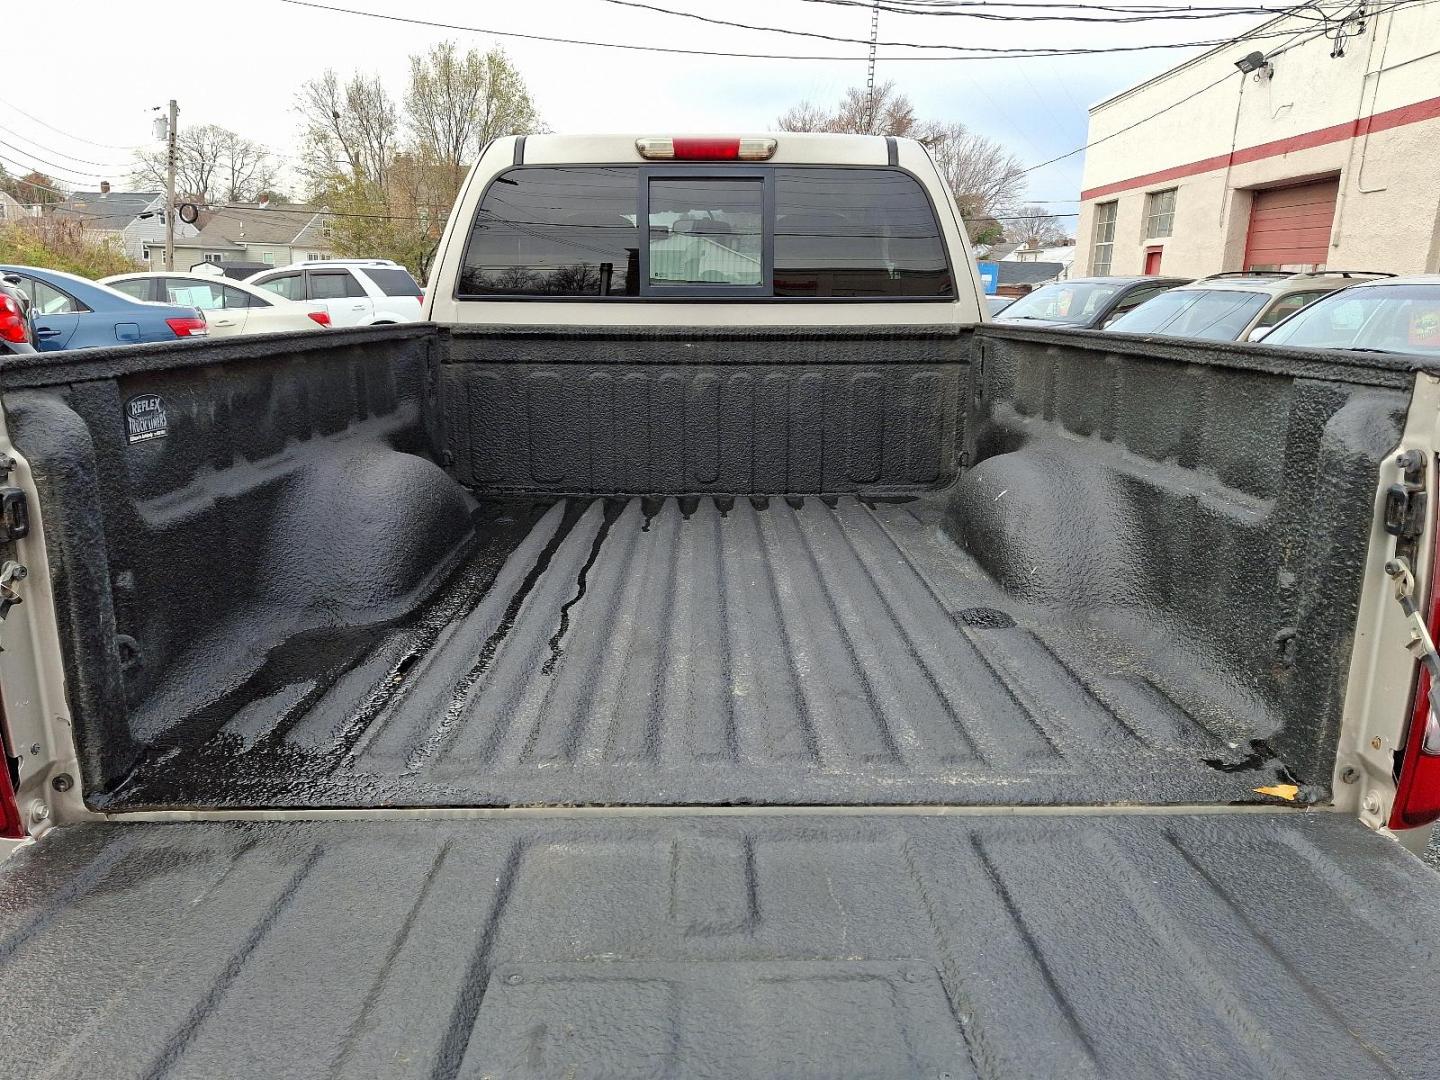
(1159, 213)
(269, 258)
(1103, 245)
(145, 254)
(214, 256)
(312, 256)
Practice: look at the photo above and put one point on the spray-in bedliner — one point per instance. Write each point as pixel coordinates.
(704, 651)
(741, 944)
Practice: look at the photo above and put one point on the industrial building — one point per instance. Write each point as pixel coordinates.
(1313, 142)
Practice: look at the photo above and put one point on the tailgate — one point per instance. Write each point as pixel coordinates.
(727, 944)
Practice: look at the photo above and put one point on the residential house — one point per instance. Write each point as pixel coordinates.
(267, 234)
(12, 210)
(1064, 254)
(1309, 144)
(133, 220)
(994, 252)
(1016, 278)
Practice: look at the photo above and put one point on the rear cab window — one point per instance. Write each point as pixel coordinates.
(735, 232)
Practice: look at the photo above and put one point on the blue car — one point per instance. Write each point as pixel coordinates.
(72, 312)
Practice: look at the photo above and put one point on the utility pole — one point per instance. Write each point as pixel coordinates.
(170, 187)
(870, 75)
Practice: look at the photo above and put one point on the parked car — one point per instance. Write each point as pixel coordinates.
(1086, 303)
(17, 336)
(1231, 306)
(692, 678)
(996, 304)
(1399, 315)
(70, 312)
(354, 292)
(231, 307)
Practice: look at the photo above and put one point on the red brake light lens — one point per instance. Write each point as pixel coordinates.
(13, 324)
(188, 326)
(706, 149)
(1417, 794)
(12, 822)
(320, 317)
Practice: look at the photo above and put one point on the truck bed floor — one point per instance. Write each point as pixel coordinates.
(741, 944)
(703, 652)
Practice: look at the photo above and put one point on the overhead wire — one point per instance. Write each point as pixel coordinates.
(1308, 35)
(1178, 15)
(68, 135)
(59, 153)
(972, 52)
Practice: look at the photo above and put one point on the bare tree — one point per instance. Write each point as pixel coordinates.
(858, 113)
(211, 162)
(353, 126)
(1033, 226)
(984, 176)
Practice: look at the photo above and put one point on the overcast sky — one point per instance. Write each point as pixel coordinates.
(239, 65)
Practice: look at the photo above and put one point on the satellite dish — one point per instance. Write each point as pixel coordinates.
(189, 213)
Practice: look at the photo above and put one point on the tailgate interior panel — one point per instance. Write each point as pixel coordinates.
(740, 944)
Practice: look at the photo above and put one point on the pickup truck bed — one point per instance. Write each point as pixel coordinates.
(708, 703)
(732, 944)
(702, 651)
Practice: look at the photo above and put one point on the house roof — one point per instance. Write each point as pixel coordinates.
(238, 271)
(114, 210)
(1063, 255)
(210, 243)
(996, 252)
(1027, 273)
(254, 225)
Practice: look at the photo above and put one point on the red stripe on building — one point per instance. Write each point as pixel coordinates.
(1383, 121)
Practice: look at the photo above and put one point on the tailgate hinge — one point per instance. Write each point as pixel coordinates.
(1405, 502)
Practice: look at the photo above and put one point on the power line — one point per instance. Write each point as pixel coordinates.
(974, 52)
(61, 153)
(52, 127)
(1112, 13)
(986, 15)
(55, 168)
(1293, 43)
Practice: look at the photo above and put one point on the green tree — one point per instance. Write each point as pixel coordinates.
(456, 103)
(34, 187)
(62, 244)
(389, 172)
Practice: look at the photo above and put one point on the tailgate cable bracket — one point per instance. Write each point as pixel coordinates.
(1421, 645)
(10, 571)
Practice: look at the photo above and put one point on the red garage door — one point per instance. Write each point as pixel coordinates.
(1290, 227)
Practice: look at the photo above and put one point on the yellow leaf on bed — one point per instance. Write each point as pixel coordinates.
(1280, 791)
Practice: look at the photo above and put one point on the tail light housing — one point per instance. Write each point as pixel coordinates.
(321, 317)
(1417, 790)
(189, 325)
(706, 149)
(12, 823)
(14, 327)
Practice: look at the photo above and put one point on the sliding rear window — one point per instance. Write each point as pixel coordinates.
(545, 232)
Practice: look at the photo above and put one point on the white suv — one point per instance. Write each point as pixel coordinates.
(355, 292)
